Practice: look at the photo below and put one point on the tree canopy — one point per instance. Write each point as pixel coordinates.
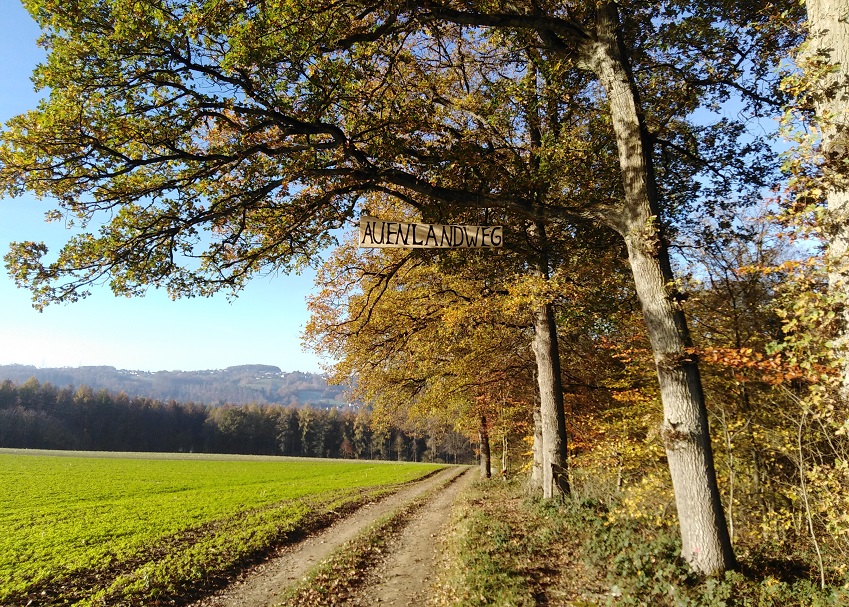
(215, 140)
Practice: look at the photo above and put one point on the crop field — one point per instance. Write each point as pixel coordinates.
(92, 530)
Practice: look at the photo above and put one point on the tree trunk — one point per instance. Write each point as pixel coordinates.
(535, 481)
(704, 533)
(504, 456)
(552, 417)
(828, 34)
(483, 435)
(555, 480)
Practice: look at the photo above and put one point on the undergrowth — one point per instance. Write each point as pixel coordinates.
(507, 550)
(497, 551)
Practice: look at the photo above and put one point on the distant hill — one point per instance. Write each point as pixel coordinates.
(241, 384)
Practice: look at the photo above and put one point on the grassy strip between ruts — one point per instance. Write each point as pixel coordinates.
(336, 579)
(68, 540)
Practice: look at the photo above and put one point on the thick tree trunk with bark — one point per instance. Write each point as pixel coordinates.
(828, 35)
(483, 436)
(704, 533)
(552, 417)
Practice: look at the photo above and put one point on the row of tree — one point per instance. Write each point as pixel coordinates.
(42, 416)
(764, 328)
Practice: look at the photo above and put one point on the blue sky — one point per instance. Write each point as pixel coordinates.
(149, 333)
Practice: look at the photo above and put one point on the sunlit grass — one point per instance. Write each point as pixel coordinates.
(65, 515)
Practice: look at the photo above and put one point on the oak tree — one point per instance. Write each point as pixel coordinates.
(222, 139)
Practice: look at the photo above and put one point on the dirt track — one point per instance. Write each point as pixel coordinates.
(404, 574)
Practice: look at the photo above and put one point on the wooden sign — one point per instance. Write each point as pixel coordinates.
(376, 233)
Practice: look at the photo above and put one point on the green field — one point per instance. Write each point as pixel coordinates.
(86, 528)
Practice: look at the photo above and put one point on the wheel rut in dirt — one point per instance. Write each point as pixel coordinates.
(265, 584)
(407, 573)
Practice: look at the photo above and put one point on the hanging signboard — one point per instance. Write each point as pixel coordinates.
(377, 233)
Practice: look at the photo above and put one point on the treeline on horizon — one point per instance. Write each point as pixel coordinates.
(36, 415)
(242, 384)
